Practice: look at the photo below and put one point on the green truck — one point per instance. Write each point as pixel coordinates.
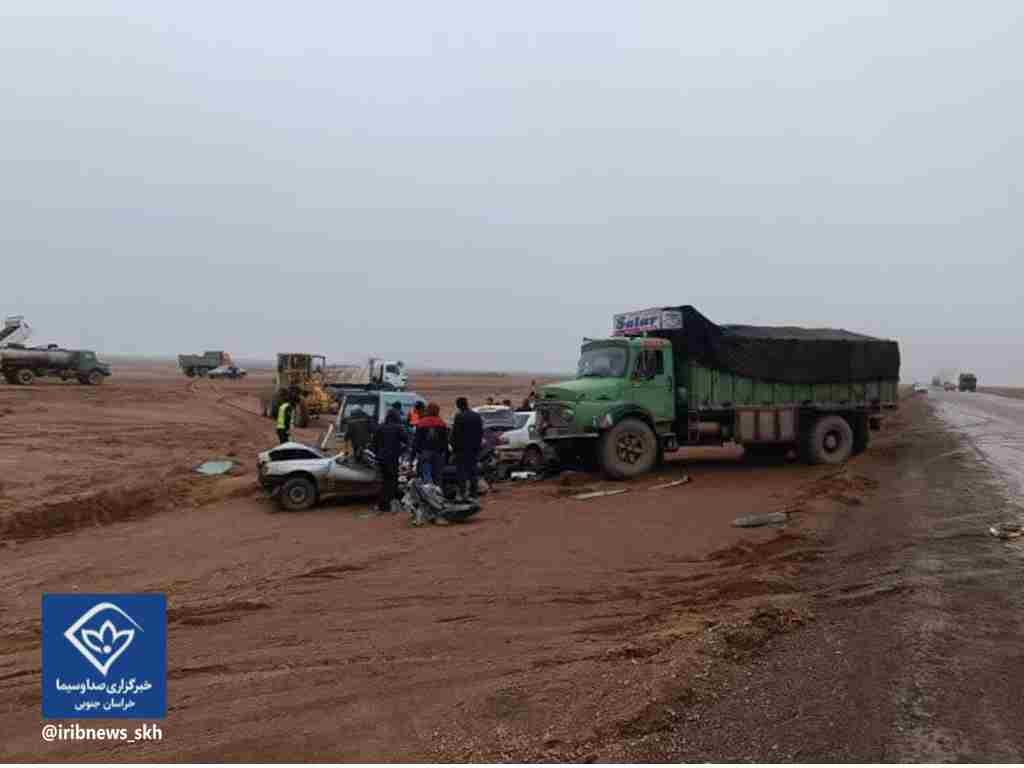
(23, 365)
(668, 378)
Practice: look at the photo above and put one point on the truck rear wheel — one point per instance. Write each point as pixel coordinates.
(628, 449)
(829, 441)
(190, 372)
(24, 376)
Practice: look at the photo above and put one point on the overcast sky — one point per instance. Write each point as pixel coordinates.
(479, 185)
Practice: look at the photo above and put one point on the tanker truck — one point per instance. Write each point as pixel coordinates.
(668, 378)
(21, 365)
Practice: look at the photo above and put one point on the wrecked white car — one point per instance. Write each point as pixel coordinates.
(299, 476)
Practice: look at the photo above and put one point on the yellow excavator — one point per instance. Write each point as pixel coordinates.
(306, 376)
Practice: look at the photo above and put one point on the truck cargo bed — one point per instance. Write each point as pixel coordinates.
(711, 389)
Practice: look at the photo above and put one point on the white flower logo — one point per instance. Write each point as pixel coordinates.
(101, 647)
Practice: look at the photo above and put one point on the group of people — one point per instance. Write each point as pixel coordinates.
(528, 402)
(426, 439)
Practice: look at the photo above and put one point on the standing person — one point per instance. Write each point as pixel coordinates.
(532, 397)
(430, 445)
(467, 437)
(419, 410)
(285, 408)
(389, 442)
(358, 432)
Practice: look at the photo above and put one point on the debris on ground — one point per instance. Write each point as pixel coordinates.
(681, 481)
(1006, 530)
(573, 478)
(215, 467)
(767, 518)
(598, 494)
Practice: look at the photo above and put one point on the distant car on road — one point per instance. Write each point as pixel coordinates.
(227, 372)
(920, 388)
(949, 386)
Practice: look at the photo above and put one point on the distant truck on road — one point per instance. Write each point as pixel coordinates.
(669, 377)
(22, 365)
(200, 365)
(968, 382)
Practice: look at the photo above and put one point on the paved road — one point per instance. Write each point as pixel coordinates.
(994, 427)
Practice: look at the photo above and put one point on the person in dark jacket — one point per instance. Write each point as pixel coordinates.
(430, 444)
(467, 438)
(358, 432)
(389, 442)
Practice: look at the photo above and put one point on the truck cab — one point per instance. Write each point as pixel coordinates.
(622, 385)
(389, 373)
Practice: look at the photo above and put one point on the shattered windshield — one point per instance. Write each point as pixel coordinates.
(603, 361)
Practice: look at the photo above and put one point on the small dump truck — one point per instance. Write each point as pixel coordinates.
(668, 378)
(968, 382)
(23, 365)
(200, 365)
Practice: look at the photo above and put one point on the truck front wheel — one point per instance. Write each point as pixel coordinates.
(829, 441)
(628, 449)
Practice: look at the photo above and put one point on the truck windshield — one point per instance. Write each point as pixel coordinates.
(603, 361)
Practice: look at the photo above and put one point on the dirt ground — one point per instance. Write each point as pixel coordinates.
(879, 623)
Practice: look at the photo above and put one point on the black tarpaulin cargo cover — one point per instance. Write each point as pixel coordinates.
(785, 354)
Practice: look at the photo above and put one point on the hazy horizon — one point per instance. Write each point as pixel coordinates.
(463, 185)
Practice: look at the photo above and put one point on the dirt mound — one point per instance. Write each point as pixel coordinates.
(102, 507)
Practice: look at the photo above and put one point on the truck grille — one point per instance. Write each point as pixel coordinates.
(554, 416)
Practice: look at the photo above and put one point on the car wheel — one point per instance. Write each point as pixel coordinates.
(298, 494)
(533, 458)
